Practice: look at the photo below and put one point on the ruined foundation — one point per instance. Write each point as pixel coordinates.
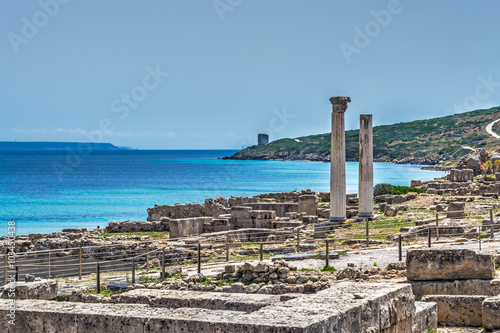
(346, 307)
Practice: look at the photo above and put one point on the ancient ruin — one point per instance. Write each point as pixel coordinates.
(337, 167)
(365, 183)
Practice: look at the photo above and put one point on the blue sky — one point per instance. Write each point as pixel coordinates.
(212, 74)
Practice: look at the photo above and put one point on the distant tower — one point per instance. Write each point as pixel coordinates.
(263, 139)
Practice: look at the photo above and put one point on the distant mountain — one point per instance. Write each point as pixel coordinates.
(56, 146)
(430, 141)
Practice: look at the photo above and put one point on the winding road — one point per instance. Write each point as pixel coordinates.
(489, 129)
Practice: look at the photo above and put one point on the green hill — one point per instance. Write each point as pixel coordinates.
(430, 141)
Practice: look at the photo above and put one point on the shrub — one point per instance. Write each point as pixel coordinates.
(381, 189)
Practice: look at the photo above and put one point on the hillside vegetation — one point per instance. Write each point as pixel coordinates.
(430, 141)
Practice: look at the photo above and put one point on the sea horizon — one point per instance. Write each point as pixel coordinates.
(47, 192)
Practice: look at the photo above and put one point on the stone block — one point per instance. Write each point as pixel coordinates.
(188, 227)
(308, 203)
(456, 287)
(263, 214)
(281, 208)
(425, 317)
(456, 210)
(310, 219)
(415, 183)
(491, 311)
(458, 310)
(240, 212)
(321, 230)
(454, 264)
(42, 290)
(431, 190)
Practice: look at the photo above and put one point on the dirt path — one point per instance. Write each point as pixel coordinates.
(489, 129)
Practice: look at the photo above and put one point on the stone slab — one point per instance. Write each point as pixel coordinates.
(44, 289)
(425, 317)
(449, 264)
(188, 226)
(457, 287)
(346, 307)
(174, 299)
(458, 310)
(491, 311)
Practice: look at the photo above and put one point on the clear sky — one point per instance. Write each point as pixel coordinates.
(212, 74)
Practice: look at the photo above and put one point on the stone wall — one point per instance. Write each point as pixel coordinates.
(244, 217)
(139, 226)
(285, 196)
(280, 208)
(461, 175)
(211, 207)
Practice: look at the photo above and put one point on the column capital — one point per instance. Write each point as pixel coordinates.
(340, 103)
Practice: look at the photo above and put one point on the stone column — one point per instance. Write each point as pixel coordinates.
(337, 165)
(365, 181)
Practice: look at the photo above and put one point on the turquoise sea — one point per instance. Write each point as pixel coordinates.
(50, 191)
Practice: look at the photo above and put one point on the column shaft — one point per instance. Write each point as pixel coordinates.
(337, 178)
(365, 180)
(337, 167)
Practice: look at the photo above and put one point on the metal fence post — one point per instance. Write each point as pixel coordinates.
(367, 234)
(133, 271)
(400, 248)
(327, 254)
(80, 263)
(429, 235)
(49, 265)
(261, 252)
(227, 247)
(298, 240)
(98, 278)
(492, 232)
(147, 255)
(437, 226)
(17, 273)
(199, 258)
(479, 238)
(5, 270)
(163, 264)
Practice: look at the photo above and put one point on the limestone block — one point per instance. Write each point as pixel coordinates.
(44, 290)
(263, 214)
(431, 191)
(491, 311)
(457, 287)
(454, 264)
(188, 227)
(310, 219)
(240, 212)
(308, 203)
(415, 183)
(425, 317)
(281, 208)
(456, 210)
(458, 310)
